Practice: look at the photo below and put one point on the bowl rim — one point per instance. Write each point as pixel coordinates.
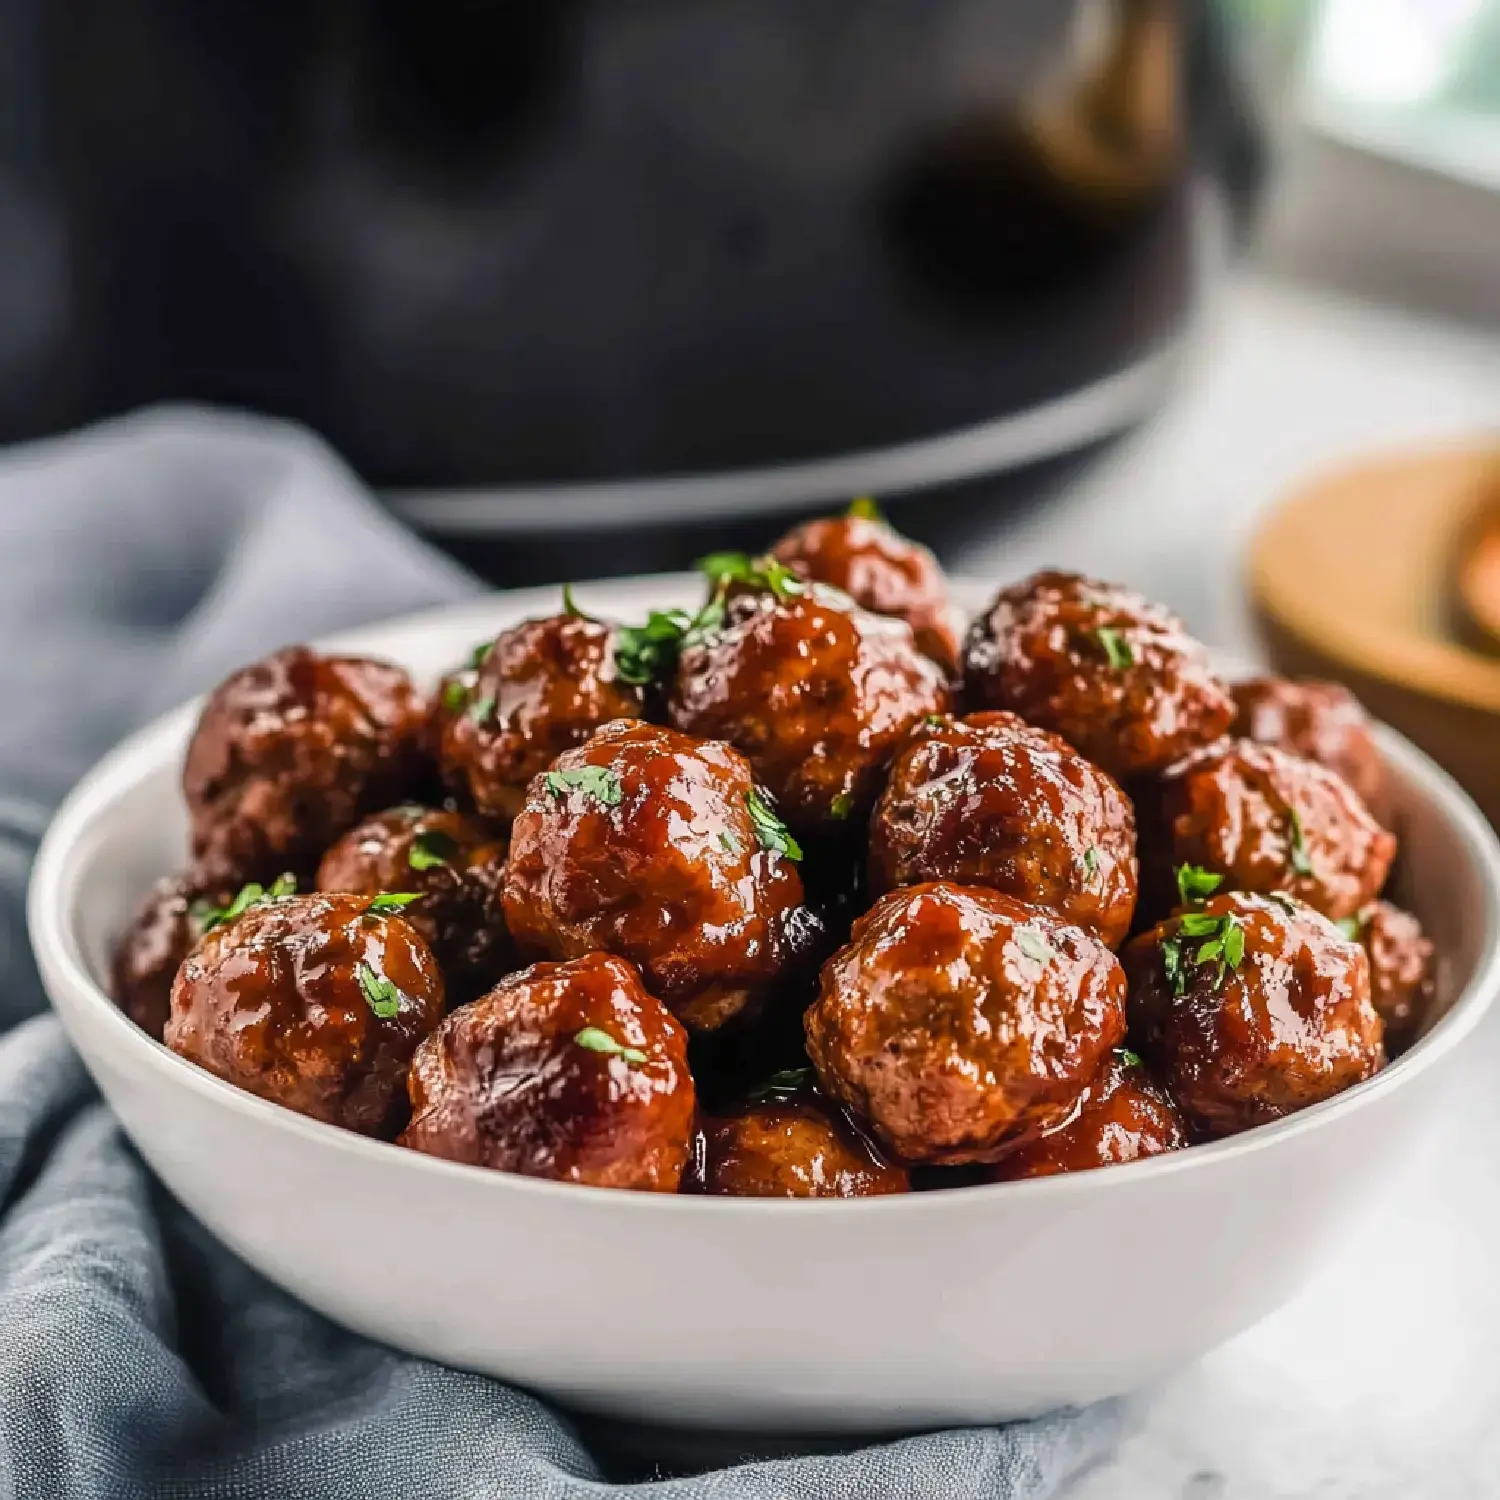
(65, 855)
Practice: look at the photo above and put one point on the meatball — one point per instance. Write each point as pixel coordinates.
(570, 1071)
(454, 864)
(960, 1021)
(313, 1002)
(290, 753)
(1123, 1116)
(1267, 821)
(1252, 1007)
(882, 572)
(1321, 721)
(816, 692)
(1401, 969)
(660, 848)
(543, 687)
(989, 800)
(793, 1148)
(161, 934)
(1118, 678)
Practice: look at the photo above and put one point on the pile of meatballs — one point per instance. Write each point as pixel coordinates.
(808, 893)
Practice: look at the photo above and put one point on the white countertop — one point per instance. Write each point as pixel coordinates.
(1383, 1378)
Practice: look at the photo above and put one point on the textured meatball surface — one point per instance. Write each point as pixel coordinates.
(290, 753)
(1240, 1043)
(883, 572)
(455, 865)
(989, 800)
(959, 1021)
(543, 687)
(816, 692)
(161, 934)
(1402, 963)
(313, 1002)
(793, 1148)
(570, 1071)
(1123, 1116)
(1267, 820)
(1320, 721)
(1118, 678)
(644, 842)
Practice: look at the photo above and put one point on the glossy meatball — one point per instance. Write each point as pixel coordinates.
(313, 1002)
(959, 1021)
(816, 692)
(570, 1071)
(290, 753)
(882, 572)
(543, 687)
(161, 934)
(1250, 1008)
(1123, 1116)
(1401, 969)
(1118, 678)
(657, 847)
(991, 801)
(793, 1148)
(455, 865)
(1268, 821)
(1321, 721)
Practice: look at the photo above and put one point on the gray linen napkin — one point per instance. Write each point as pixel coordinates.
(139, 562)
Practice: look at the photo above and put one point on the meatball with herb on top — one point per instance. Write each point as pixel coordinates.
(164, 930)
(570, 1071)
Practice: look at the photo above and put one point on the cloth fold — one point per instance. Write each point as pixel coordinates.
(139, 562)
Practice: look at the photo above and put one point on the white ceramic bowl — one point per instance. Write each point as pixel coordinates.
(958, 1307)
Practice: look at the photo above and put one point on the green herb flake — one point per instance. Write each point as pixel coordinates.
(1171, 965)
(770, 831)
(728, 842)
(208, 916)
(431, 848)
(864, 508)
(455, 694)
(596, 782)
(781, 1086)
(1034, 945)
(1221, 945)
(935, 721)
(841, 806)
(1129, 1058)
(480, 654)
(647, 654)
(393, 900)
(1350, 927)
(765, 572)
(383, 998)
(1091, 861)
(1287, 902)
(1297, 856)
(570, 604)
(1116, 648)
(592, 1039)
(1195, 884)
(482, 710)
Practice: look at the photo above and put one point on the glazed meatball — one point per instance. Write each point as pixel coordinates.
(959, 1021)
(1118, 678)
(660, 848)
(544, 687)
(817, 694)
(313, 1002)
(1401, 969)
(793, 1148)
(290, 753)
(570, 1071)
(1123, 1116)
(991, 801)
(454, 864)
(882, 572)
(1267, 821)
(161, 934)
(1250, 1008)
(1321, 721)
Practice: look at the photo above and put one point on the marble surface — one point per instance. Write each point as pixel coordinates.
(1381, 1379)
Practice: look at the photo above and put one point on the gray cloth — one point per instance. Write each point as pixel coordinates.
(138, 563)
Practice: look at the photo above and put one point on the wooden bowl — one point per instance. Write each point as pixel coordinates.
(1361, 577)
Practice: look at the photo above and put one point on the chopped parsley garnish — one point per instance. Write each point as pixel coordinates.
(1034, 945)
(1129, 1058)
(455, 694)
(1286, 901)
(431, 848)
(1350, 927)
(841, 806)
(595, 1040)
(598, 782)
(1195, 884)
(383, 998)
(770, 831)
(864, 508)
(480, 654)
(1298, 857)
(1091, 860)
(645, 654)
(723, 568)
(935, 721)
(570, 604)
(1220, 942)
(781, 1085)
(728, 842)
(481, 710)
(208, 916)
(393, 900)
(1116, 648)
